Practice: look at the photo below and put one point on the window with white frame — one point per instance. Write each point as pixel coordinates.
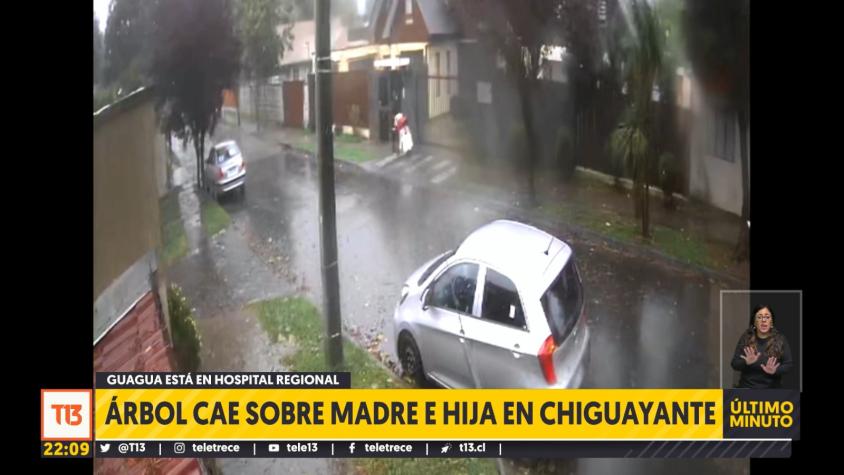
(408, 10)
(721, 140)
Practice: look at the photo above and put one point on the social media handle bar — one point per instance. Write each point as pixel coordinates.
(437, 449)
(174, 449)
(274, 449)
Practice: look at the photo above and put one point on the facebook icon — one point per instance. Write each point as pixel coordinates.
(352, 448)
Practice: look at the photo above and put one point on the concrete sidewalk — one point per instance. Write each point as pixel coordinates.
(350, 149)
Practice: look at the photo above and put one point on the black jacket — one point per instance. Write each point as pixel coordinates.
(753, 376)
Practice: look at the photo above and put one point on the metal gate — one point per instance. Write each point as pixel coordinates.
(294, 103)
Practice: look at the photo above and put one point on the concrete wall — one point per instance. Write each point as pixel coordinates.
(123, 292)
(126, 190)
(271, 103)
(712, 179)
(160, 161)
(442, 79)
(247, 107)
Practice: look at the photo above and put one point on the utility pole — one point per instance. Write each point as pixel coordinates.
(325, 165)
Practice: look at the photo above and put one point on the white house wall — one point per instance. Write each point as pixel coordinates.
(441, 104)
(712, 179)
(295, 72)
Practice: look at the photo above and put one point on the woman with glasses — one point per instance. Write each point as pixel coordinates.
(762, 354)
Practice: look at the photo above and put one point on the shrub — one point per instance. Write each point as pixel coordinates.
(104, 97)
(669, 176)
(186, 340)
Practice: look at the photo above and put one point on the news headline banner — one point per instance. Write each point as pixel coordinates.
(224, 380)
(412, 414)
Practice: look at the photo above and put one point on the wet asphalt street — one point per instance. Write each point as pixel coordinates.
(653, 325)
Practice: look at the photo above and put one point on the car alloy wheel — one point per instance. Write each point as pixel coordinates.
(411, 360)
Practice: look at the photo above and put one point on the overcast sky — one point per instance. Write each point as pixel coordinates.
(101, 10)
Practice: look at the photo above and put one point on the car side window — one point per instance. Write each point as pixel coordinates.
(455, 288)
(210, 159)
(501, 301)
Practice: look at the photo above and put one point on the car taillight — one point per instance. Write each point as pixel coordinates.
(243, 166)
(546, 359)
(220, 173)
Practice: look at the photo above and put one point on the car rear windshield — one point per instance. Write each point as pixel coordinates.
(563, 301)
(433, 266)
(226, 153)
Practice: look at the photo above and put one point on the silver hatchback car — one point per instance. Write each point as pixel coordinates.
(505, 310)
(225, 169)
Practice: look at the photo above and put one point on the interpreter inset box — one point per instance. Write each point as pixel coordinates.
(761, 339)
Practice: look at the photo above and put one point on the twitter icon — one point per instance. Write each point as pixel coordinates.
(104, 447)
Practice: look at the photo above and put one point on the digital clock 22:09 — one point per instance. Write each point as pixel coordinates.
(66, 449)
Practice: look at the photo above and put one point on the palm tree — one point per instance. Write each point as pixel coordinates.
(634, 140)
(629, 145)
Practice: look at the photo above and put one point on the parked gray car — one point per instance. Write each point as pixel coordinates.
(225, 169)
(505, 310)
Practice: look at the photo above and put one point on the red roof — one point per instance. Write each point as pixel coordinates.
(138, 342)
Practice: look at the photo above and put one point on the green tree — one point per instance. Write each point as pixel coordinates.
(670, 13)
(577, 24)
(98, 50)
(303, 9)
(128, 42)
(196, 57)
(718, 46)
(258, 24)
(616, 38)
(518, 31)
